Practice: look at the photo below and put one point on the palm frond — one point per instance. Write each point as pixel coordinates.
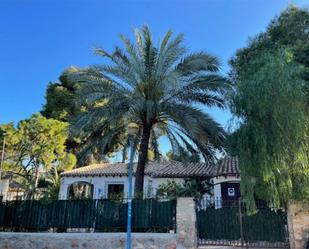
(171, 53)
(197, 62)
(201, 98)
(198, 123)
(210, 84)
(148, 85)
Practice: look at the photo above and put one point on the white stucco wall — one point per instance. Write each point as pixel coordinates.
(100, 185)
(4, 188)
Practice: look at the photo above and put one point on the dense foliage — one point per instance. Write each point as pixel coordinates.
(159, 88)
(189, 188)
(270, 100)
(60, 105)
(60, 99)
(36, 147)
(287, 31)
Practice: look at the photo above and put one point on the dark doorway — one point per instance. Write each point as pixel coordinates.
(230, 193)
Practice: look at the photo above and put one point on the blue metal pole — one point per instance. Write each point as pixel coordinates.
(130, 197)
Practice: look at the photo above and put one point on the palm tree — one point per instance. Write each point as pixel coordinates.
(158, 88)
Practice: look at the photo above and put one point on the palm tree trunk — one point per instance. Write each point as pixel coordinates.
(142, 159)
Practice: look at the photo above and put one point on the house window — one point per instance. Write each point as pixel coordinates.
(115, 190)
(80, 190)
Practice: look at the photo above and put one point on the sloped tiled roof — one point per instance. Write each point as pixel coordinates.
(15, 185)
(178, 169)
(161, 169)
(105, 169)
(172, 169)
(227, 166)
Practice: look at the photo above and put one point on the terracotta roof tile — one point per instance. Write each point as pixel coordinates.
(164, 169)
(106, 169)
(178, 169)
(227, 166)
(15, 185)
(157, 169)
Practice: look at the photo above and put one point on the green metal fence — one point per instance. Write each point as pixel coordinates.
(222, 223)
(148, 215)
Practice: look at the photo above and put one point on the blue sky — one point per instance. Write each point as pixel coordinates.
(39, 39)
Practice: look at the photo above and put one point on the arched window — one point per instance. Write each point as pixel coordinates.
(80, 190)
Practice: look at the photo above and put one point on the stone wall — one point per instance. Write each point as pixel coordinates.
(186, 223)
(298, 222)
(86, 241)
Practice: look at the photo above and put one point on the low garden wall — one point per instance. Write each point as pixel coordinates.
(184, 238)
(86, 241)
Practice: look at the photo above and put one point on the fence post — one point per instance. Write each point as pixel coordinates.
(298, 224)
(241, 229)
(186, 223)
(95, 214)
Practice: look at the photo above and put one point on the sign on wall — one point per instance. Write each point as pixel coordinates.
(231, 192)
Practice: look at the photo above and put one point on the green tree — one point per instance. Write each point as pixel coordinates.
(36, 144)
(189, 188)
(289, 30)
(272, 140)
(60, 99)
(60, 105)
(271, 79)
(157, 88)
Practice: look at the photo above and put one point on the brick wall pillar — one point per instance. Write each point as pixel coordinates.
(186, 223)
(298, 223)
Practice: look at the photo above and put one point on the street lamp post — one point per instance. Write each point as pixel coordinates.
(2, 157)
(132, 130)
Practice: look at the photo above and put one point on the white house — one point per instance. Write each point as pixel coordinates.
(9, 189)
(103, 180)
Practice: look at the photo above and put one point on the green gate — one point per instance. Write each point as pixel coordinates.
(226, 223)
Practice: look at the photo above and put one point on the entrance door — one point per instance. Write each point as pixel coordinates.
(230, 193)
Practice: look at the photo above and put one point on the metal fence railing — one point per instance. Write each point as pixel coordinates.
(104, 215)
(226, 222)
(11, 196)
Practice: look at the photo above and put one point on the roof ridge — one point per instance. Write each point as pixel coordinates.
(161, 168)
